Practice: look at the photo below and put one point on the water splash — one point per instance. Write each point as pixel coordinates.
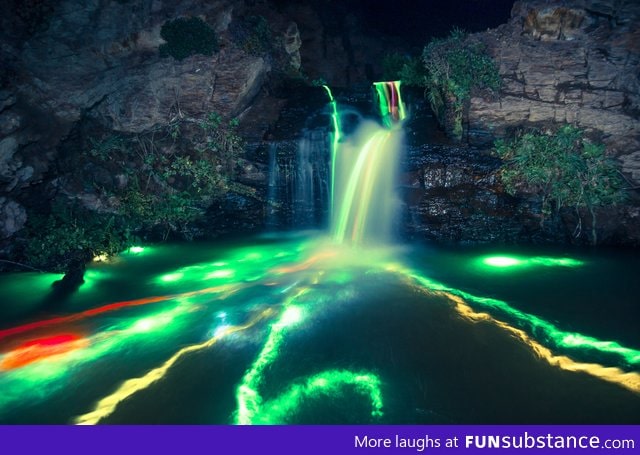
(364, 180)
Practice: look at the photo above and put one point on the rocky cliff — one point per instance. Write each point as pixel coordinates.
(568, 61)
(65, 62)
(69, 62)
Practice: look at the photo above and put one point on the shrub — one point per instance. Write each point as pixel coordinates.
(396, 66)
(254, 35)
(187, 36)
(71, 233)
(565, 169)
(171, 180)
(455, 66)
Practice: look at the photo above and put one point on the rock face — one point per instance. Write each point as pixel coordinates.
(12, 217)
(569, 61)
(335, 45)
(69, 61)
(101, 59)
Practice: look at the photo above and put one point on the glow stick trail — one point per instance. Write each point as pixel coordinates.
(106, 406)
(105, 309)
(390, 102)
(329, 383)
(628, 380)
(550, 333)
(336, 137)
(252, 409)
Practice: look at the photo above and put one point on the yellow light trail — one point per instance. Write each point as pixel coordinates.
(628, 380)
(106, 406)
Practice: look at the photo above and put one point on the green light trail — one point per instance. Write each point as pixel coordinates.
(519, 262)
(328, 384)
(248, 395)
(543, 330)
(244, 265)
(335, 141)
(253, 409)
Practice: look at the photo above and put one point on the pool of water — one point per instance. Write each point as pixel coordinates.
(293, 329)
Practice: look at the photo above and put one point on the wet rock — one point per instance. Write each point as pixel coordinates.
(292, 45)
(9, 123)
(70, 283)
(8, 148)
(13, 216)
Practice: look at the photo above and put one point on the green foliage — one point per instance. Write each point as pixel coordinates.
(187, 36)
(455, 66)
(256, 37)
(105, 148)
(408, 69)
(564, 168)
(175, 189)
(70, 233)
(170, 180)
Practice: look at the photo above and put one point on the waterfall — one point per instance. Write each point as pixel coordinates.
(348, 173)
(311, 180)
(364, 168)
(272, 188)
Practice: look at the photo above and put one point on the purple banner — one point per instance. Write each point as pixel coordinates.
(311, 440)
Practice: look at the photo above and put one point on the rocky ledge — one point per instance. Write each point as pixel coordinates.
(567, 61)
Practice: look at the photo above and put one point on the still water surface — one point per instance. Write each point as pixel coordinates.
(296, 330)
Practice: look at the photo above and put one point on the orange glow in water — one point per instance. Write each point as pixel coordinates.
(42, 348)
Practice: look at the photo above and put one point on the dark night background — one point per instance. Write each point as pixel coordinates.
(417, 21)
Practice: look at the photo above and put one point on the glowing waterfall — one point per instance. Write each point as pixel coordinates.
(390, 102)
(363, 172)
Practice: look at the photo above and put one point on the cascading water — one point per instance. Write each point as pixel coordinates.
(272, 187)
(310, 191)
(363, 171)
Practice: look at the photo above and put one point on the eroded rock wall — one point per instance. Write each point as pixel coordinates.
(66, 61)
(567, 61)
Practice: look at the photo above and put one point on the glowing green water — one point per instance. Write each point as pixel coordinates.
(295, 330)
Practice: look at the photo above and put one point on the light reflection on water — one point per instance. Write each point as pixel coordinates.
(297, 330)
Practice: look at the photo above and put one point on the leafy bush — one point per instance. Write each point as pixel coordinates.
(455, 66)
(396, 66)
(187, 36)
(167, 181)
(175, 189)
(564, 168)
(71, 233)
(254, 35)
